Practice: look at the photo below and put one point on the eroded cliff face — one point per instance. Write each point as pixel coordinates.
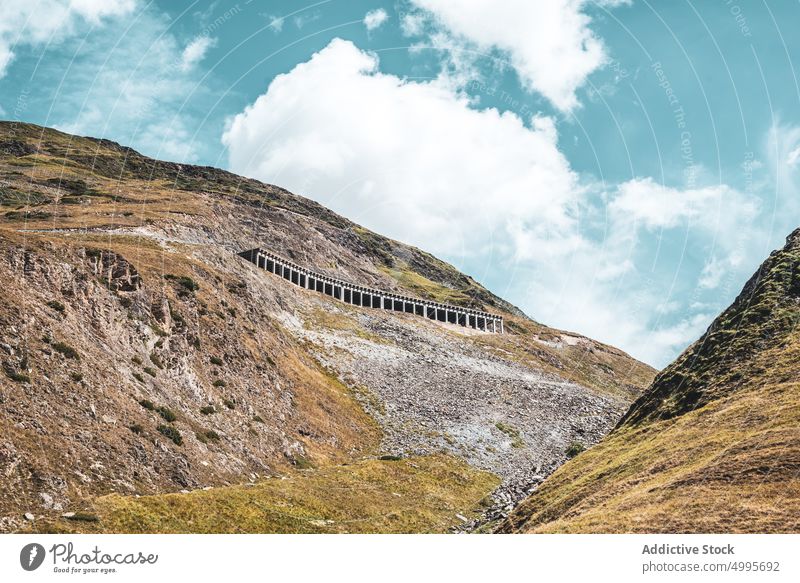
(140, 355)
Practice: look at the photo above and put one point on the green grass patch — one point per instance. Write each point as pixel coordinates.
(512, 432)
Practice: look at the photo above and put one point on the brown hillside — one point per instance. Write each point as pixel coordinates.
(141, 356)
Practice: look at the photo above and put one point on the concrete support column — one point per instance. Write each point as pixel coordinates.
(501, 327)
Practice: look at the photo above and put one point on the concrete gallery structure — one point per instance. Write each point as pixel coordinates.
(357, 295)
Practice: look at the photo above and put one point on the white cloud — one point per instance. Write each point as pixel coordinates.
(301, 20)
(377, 147)
(137, 97)
(657, 206)
(375, 18)
(196, 51)
(415, 161)
(27, 23)
(275, 23)
(548, 42)
(412, 24)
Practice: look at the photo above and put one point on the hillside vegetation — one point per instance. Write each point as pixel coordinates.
(713, 445)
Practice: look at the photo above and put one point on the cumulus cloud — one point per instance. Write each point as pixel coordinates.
(49, 21)
(375, 18)
(657, 206)
(548, 42)
(196, 51)
(377, 147)
(418, 162)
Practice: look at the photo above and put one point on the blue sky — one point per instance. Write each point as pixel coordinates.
(617, 168)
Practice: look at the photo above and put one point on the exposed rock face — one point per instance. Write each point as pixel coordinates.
(141, 355)
(116, 271)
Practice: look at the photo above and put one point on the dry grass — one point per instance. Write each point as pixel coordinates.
(412, 495)
(730, 466)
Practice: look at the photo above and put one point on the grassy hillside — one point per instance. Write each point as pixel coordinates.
(713, 445)
(144, 357)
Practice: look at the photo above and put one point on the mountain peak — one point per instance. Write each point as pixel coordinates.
(731, 350)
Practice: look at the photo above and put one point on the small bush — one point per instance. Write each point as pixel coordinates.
(158, 331)
(171, 433)
(136, 428)
(229, 404)
(136, 360)
(147, 404)
(156, 360)
(208, 410)
(574, 449)
(212, 435)
(167, 414)
(184, 281)
(216, 360)
(390, 458)
(15, 376)
(76, 376)
(57, 306)
(176, 317)
(219, 383)
(151, 371)
(138, 377)
(66, 350)
(83, 517)
(258, 419)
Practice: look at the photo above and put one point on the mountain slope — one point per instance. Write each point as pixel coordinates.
(141, 355)
(713, 445)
